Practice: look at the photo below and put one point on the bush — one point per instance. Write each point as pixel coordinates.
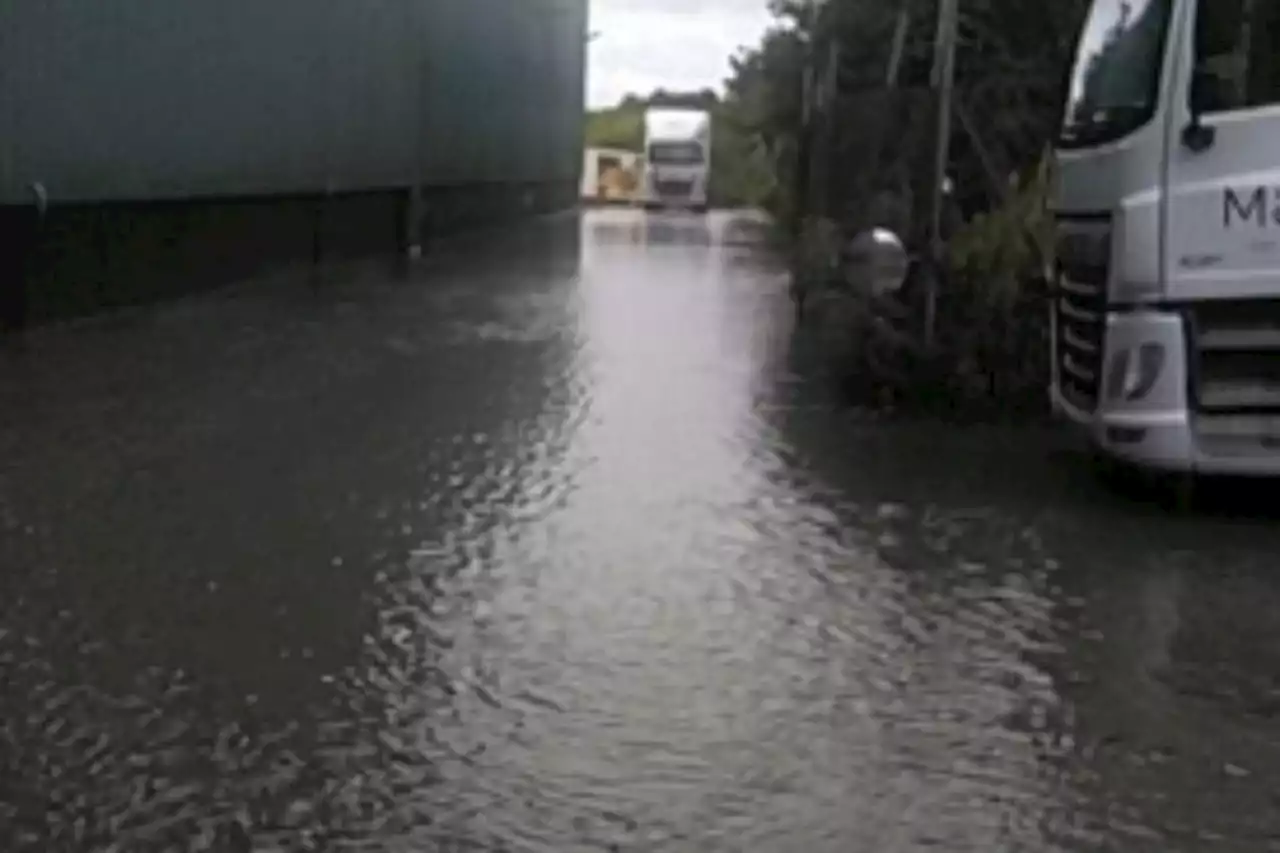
(866, 133)
(991, 346)
(995, 315)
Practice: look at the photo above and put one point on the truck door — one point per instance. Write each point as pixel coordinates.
(1223, 199)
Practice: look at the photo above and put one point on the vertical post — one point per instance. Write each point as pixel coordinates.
(318, 206)
(819, 63)
(321, 203)
(28, 223)
(411, 239)
(806, 155)
(817, 137)
(826, 129)
(411, 226)
(880, 122)
(899, 45)
(944, 82)
(804, 148)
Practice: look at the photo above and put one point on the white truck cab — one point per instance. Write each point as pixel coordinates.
(1166, 315)
(677, 154)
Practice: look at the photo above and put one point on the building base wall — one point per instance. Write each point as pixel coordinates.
(80, 259)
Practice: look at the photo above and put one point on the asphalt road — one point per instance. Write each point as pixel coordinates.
(553, 543)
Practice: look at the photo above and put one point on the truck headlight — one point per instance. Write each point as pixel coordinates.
(1135, 371)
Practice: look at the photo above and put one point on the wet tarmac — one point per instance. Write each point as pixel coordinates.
(553, 544)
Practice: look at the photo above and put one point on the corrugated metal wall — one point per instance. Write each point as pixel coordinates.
(117, 100)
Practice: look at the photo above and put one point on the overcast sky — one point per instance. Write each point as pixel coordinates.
(673, 44)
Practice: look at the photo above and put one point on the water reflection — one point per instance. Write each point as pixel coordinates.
(547, 545)
(1147, 636)
(211, 505)
(670, 228)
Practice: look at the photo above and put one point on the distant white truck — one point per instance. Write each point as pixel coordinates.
(677, 154)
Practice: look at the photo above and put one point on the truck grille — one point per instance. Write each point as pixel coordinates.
(1080, 314)
(1234, 350)
(674, 189)
(1083, 248)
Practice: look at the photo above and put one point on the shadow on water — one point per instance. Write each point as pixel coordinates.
(1140, 643)
(222, 525)
(674, 229)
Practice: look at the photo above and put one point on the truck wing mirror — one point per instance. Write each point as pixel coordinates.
(1201, 98)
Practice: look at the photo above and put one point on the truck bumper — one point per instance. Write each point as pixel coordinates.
(1157, 428)
(1154, 440)
(682, 203)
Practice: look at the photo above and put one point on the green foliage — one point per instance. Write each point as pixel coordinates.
(1010, 244)
(764, 99)
(741, 174)
(617, 127)
(865, 154)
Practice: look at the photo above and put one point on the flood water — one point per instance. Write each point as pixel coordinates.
(555, 544)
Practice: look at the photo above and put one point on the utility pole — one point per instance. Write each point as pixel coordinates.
(899, 45)
(887, 116)
(808, 167)
(944, 74)
(823, 149)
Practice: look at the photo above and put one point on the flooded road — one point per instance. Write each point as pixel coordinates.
(549, 546)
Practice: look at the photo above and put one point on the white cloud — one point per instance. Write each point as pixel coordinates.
(643, 45)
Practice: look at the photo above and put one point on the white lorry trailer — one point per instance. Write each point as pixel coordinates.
(1166, 314)
(677, 155)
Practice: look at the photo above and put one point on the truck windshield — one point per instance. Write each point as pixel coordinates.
(675, 153)
(1115, 82)
(1237, 47)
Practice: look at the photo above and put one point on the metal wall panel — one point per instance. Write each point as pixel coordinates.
(147, 99)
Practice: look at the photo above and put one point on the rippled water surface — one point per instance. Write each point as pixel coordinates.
(547, 546)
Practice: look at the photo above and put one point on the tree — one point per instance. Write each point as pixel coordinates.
(1011, 68)
(844, 151)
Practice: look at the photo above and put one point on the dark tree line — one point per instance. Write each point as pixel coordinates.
(1012, 62)
(838, 100)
